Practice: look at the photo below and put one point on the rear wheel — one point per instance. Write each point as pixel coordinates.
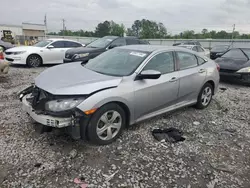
(107, 124)
(34, 61)
(205, 96)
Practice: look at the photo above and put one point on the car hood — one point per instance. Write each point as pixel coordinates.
(83, 50)
(22, 48)
(74, 79)
(232, 64)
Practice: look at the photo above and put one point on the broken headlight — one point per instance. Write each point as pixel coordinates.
(62, 104)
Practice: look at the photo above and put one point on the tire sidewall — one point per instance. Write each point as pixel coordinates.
(91, 131)
(199, 104)
(28, 60)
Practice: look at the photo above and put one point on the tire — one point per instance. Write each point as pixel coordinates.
(34, 60)
(40, 129)
(205, 96)
(99, 122)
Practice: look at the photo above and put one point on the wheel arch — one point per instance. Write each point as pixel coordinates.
(212, 83)
(36, 55)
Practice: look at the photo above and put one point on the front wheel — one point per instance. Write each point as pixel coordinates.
(106, 125)
(34, 61)
(205, 96)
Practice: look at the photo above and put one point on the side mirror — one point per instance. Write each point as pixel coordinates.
(148, 74)
(50, 46)
(112, 46)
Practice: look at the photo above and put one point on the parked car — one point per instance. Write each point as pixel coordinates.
(200, 50)
(218, 51)
(50, 51)
(235, 63)
(99, 46)
(120, 87)
(5, 45)
(188, 43)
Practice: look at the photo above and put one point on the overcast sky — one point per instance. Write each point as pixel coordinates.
(176, 15)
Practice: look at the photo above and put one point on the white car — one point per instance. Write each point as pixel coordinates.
(50, 51)
(198, 49)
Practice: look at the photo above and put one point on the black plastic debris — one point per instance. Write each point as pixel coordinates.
(38, 165)
(171, 135)
(223, 89)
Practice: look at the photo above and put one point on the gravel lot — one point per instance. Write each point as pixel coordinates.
(216, 152)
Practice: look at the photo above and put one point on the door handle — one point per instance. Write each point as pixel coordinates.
(174, 79)
(202, 70)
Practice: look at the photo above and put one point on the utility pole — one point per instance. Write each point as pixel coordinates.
(45, 23)
(233, 34)
(63, 20)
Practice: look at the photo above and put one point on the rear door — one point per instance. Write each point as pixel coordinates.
(154, 95)
(192, 76)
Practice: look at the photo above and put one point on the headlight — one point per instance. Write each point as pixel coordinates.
(17, 53)
(62, 104)
(244, 70)
(77, 56)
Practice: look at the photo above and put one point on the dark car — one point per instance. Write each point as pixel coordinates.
(99, 46)
(235, 63)
(218, 51)
(5, 45)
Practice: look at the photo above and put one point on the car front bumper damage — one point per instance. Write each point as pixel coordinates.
(74, 123)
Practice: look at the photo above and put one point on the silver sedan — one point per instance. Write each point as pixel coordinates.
(119, 88)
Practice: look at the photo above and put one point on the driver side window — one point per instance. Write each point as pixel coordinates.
(58, 44)
(163, 62)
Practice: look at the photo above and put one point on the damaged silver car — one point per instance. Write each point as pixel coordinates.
(121, 87)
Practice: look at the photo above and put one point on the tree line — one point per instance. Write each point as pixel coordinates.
(148, 29)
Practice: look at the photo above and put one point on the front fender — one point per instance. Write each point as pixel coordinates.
(103, 97)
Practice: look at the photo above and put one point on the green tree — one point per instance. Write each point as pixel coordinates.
(116, 29)
(103, 29)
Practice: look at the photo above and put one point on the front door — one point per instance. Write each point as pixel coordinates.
(154, 95)
(56, 54)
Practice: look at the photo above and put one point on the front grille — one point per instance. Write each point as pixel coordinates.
(227, 71)
(9, 59)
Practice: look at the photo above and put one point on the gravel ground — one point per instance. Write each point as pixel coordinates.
(216, 152)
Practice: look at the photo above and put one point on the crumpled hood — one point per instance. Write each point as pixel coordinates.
(74, 79)
(83, 50)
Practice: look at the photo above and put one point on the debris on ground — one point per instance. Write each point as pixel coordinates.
(109, 177)
(196, 123)
(73, 153)
(171, 135)
(80, 183)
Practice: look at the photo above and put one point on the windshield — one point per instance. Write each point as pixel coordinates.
(117, 62)
(42, 43)
(220, 48)
(101, 43)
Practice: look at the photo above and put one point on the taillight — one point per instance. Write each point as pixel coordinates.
(1, 55)
(218, 66)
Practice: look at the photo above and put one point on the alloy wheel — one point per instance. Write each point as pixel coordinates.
(206, 96)
(109, 125)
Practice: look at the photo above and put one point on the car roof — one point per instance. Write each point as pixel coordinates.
(152, 48)
(187, 45)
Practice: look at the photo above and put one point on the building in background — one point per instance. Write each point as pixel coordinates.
(22, 33)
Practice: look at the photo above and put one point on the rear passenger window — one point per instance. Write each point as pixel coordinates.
(200, 60)
(200, 49)
(69, 44)
(163, 63)
(132, 41)
(195, 49)
(186, 60)
(58, 44)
